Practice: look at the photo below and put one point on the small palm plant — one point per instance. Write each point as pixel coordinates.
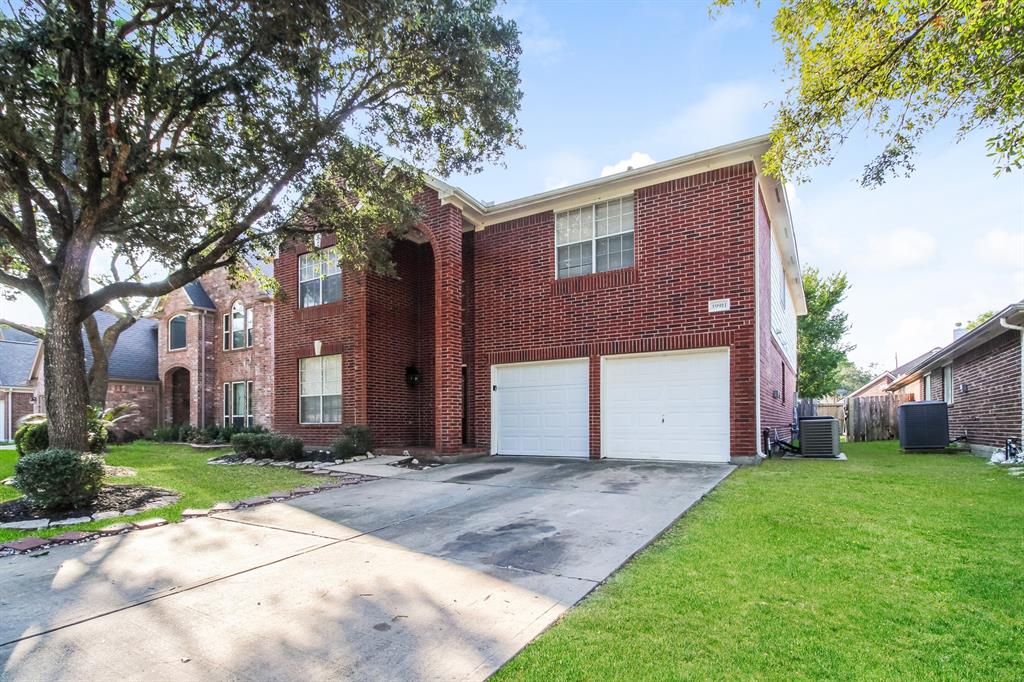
(32, 435)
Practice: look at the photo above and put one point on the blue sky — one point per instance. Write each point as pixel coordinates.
(607, 82)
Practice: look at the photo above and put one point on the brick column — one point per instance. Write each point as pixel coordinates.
(445, 226)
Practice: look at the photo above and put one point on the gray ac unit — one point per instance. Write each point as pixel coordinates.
(819, 437)
(923, 425)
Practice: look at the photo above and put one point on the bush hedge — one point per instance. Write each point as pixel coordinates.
(59, 479)
(354, 440)
(34, 436)
(266, 444)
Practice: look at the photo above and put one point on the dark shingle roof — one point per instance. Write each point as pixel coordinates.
(197, 294)
(907, 367)
(12, 334)
(16, 361)
(135, 355)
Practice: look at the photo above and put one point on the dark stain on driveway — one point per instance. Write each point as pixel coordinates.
(482, 475)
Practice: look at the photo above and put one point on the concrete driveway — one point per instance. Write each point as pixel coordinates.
(441, 574)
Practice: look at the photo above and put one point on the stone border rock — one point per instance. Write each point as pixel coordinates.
(30, 544)
(317, 467)
(37, 524)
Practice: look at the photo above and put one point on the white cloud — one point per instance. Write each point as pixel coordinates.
(726, 113)
(536, 35)
(635, 160)
(904, 247)
(1001, 247)
(565, 168)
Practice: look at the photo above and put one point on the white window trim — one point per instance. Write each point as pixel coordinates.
(594, 237)
(928, 386)
(183, 347)
(340, 394)
(228, 327)
(229, 402)
(318, 278)
(947, 384)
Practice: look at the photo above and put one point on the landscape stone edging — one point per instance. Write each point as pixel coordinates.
(37, 524)
(308, 466)
(30, 543)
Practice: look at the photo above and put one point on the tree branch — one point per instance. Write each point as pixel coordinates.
(24, 328)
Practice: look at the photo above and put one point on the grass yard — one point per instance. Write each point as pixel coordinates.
(888, 566)
(175, 467)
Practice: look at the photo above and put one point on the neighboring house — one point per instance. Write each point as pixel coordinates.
(649, 314)
(132, 372)
(17, 354)
(980, 377)
(879, 385)
(216, 352)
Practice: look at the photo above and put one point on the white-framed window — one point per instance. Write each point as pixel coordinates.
(927, 386)
(947, 384)
(176, 333)
(238, 403)
(595, 238)
(238, 327)
(319, 278)
(320, 390)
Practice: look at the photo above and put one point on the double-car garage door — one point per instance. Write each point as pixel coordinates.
(670, 406)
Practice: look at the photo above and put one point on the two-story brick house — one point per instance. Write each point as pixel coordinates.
(215, 349)
(649, 314)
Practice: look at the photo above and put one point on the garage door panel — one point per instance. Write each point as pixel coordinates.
(542, 408)
(672, 406)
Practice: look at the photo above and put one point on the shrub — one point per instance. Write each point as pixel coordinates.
(166, 434)
(354, 440)
(262, 445)
(59, 479)
(284, 447)
(31, 437)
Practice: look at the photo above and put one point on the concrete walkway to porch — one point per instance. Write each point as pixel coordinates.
(437, 574)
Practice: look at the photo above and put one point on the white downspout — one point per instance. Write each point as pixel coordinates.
(1017, 327)
(202, 369)
(757, 324)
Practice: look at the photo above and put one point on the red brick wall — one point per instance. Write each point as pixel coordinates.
(694, 242)
(468, 325)
(400, 331)
(990, 411)
(341, 328)
(144, 394)
(776, 372)
(21, 405)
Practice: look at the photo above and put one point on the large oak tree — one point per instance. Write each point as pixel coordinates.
(196, 132)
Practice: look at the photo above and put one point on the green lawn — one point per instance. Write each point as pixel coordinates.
(175, 467)
(888, 566)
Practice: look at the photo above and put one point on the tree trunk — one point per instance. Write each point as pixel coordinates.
(67, 390)
(98, 381)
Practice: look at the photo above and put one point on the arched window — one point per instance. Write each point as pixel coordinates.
(176, 339)
(236, 326)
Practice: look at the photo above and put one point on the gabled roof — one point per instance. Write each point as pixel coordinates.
(883, 375)
(135, 355)
(198, 296)
(912, 365)
(16, 359)
(1012, 314)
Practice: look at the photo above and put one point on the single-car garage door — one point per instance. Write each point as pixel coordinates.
(666, 406)
(540, 408)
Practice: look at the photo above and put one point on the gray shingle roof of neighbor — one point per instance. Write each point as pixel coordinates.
(16, 361)
(135, 355)
(197, 294)
(909, 366)
(12, 334)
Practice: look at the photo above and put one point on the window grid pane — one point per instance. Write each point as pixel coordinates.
(320, 389)
(595, 238)
(176, 332)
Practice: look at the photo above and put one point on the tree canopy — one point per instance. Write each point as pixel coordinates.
(898, 69)
(820, 347)
(980, 320)
(194, 132)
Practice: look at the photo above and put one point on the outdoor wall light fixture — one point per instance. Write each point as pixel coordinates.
(412, 376)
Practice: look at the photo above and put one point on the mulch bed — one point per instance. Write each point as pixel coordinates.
(117, 498)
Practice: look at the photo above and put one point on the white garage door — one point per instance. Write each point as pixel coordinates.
(541, 408)
(672, 406)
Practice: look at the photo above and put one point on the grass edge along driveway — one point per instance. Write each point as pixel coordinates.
(180, 468)
(888, 566)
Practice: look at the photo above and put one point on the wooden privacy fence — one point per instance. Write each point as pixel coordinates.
(873, 417)
(837, 410)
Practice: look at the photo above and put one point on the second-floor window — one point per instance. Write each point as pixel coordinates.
(176, 339)
(595, 238)
(238, 327)
(319, 278)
